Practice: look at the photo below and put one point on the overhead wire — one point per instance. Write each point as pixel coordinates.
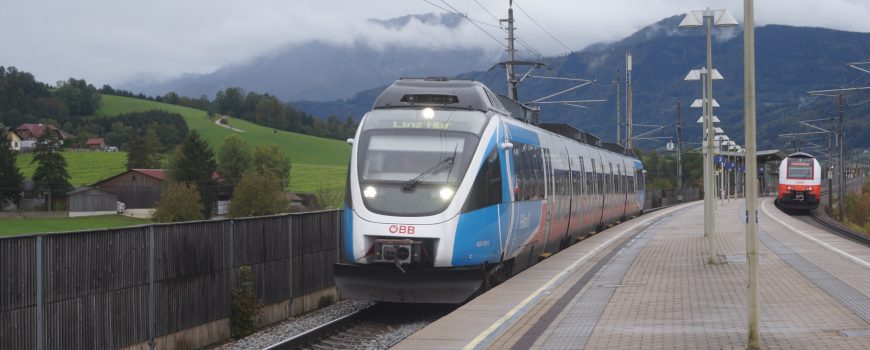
(470, 20)
(542, 27)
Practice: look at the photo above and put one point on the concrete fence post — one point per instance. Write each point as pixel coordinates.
(152, 292)
(289, 222)
(40, 307)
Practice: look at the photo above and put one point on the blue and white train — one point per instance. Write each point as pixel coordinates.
(449, 191)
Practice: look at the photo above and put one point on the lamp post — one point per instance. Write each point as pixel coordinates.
(722, 140)
(700, 74)
(753, 338)
(694, 20)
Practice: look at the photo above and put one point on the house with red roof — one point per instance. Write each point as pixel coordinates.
(96, 144)
(30, 132)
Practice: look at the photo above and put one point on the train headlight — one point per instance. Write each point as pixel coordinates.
(370, 192)
(428, 113)
(446, 193)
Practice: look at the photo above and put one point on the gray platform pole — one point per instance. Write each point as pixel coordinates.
(753, 338)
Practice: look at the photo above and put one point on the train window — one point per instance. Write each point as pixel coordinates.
(536, 190)
(547, 174)
(800, 168)
(518, 172)
(486, 190)
(592, 179)
(619, 185)
(582, 173)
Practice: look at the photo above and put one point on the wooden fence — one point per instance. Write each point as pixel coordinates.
(114, 288)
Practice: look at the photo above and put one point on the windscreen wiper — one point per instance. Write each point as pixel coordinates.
(444, 164)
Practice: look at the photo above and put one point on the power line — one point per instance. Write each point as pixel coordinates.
(474, 22)
(542, 27)
(487, 11)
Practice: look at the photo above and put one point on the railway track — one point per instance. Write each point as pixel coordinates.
(376, 327)
(836, 229)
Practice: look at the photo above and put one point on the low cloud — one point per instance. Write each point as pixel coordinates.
(109, 41)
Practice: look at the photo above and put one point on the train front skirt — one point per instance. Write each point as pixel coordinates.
(390, 284)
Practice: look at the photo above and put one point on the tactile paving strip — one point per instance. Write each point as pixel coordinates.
(837, 289)
(582, 315)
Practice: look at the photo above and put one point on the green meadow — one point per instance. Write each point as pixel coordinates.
(317, 162)
(84, 168)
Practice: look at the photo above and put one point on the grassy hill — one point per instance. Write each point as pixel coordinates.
(84, 168)
(317, 162)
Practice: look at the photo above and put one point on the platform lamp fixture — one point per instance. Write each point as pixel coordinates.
(696, 19)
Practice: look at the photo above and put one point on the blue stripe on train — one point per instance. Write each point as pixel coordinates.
(524, 135)
(347, 235)
(476, 239)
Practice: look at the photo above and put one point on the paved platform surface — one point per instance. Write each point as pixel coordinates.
(646, 284)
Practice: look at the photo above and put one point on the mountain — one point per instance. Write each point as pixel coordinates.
(320, 71)
(789, 62)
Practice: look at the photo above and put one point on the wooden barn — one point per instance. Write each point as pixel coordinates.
(140, 189)
(136, 188)
(89, 201)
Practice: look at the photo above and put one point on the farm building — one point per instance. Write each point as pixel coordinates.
(30, 132)
(14, 140)
(139, 189)
(89, 201)
(96, 144)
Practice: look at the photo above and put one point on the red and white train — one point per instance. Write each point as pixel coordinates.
(800, 182)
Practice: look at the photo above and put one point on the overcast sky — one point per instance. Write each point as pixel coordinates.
(112, 41)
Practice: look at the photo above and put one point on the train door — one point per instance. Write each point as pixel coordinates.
(550, 199)
(582, 207)
(623, 191)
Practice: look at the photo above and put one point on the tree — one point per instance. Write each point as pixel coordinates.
(10, 176)
(50, 174)
(258, 193)
(179, 201)
(233, 159)
(193, 161)
(271, 158)
(144, 152)
(81, 97)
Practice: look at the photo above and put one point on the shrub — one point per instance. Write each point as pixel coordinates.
(325, 300)
(246, 307)
(179, 202)
(258, 193)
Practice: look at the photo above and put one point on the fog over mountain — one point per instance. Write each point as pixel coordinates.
(790, 61)
(320, 71)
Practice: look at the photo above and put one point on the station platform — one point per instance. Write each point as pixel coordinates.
(646, 284)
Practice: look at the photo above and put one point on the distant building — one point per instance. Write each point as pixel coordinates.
(96, 144)
(29, 133)
(14, 139)
(139, 189)
(89, 201)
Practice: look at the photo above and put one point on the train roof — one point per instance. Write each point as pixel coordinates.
(800, 155)
(439, 92)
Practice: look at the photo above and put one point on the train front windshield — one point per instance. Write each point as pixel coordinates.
(800, 168)
(411, 161)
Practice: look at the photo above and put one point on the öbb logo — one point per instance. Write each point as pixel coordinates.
(402, 229)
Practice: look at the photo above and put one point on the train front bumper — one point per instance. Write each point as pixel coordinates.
(798, 200)
(390, 284)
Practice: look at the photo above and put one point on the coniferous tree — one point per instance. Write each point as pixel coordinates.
(193, 162)
(144, 151)
(50, 175)
(10, 176)
(233, 159)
